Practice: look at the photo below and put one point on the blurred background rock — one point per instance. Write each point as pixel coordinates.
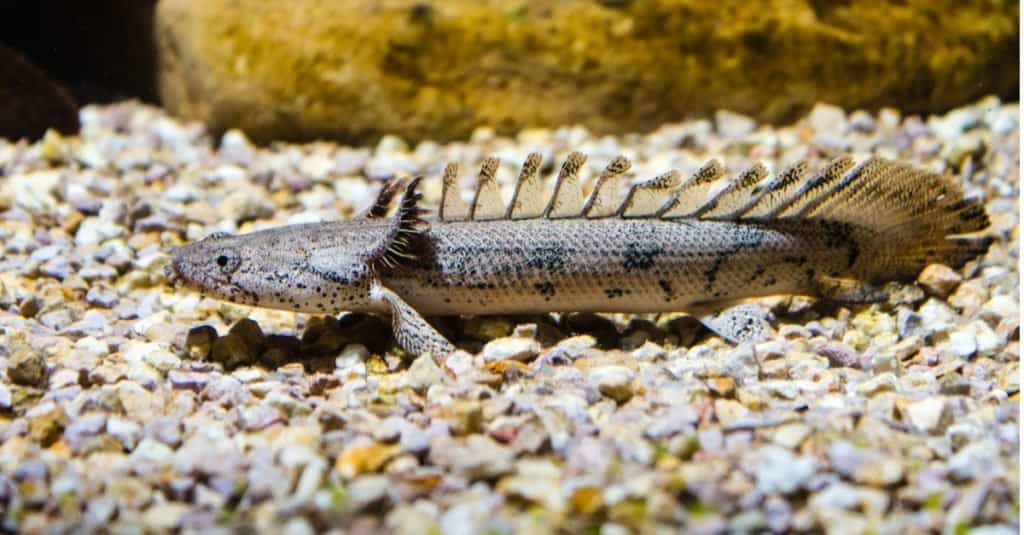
(353, 70)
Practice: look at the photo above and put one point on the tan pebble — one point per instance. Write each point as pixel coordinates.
(931, 415)
(510, 348)
(907, 348)
(791, 435)
(46, 422)
(615, 382)
(464, 417)
(730, 412)
(365, 459)
(939, 279)
(880, 474)
(971, 295)
(27, 367)
(586, 500)
(722, 386)
(886, 382)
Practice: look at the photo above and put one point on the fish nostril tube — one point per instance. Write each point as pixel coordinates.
(172, 274)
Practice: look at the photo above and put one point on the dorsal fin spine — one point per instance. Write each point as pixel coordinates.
(528, 190)
(597, 205)
(452, 208)
(567, 200)
(487, 200)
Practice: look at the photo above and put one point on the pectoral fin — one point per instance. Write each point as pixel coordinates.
(746, 322)
(411, 331)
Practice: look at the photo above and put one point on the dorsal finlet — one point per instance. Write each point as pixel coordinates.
(766, 198)
(452, 208)
(487, 203)
(527, 199)
(812, 190)
(608, 195)
(693, 194)
(567, 200)
(647, 198)
(730, 201)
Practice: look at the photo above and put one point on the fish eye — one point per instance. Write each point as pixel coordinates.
(227, 261)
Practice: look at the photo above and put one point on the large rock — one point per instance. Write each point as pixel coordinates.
(356, 69)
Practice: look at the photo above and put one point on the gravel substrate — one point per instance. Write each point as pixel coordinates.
(125, 404)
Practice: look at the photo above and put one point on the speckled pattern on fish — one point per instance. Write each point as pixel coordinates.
(661, 245)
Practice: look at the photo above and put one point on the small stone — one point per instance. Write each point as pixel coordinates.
(886, 382)
(906, 348)
(730, 412)
(936, 317)
(414, 440)
(955, 384)
(939, 279)
(46, 422)
(826, 118)
(575, 347)
(971, 295)
(244, 205)
(839, 354)
(127, 432)
(615, 382)
(649, 351)
(258, 417)
(33, 192)
(882, 473)
(165, 429)
(931, 415)
(94, 231)
(422, 374)
(962, 343)
(733, 125)
(988, 341)
(537, 481)
(464, 417)
(791, 435)
(27, 367)
(364, 459)
(778, 470)
(100, 297)
(199, 341)
(58, 319)
(722, 386)
(366, 492)
(1000, 307)
(164, 517)
(84, 427)
(478, 457)
(510, 348)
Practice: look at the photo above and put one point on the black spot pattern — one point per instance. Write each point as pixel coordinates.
(640, 256)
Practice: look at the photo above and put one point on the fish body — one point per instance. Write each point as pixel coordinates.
(663, 245)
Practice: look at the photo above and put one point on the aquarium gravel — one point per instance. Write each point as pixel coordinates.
(126, 404)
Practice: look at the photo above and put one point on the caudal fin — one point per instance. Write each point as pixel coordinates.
(907, 217)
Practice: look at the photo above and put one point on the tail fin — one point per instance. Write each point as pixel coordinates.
(908, 217)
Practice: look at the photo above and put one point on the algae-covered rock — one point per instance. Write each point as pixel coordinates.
(357, 69)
